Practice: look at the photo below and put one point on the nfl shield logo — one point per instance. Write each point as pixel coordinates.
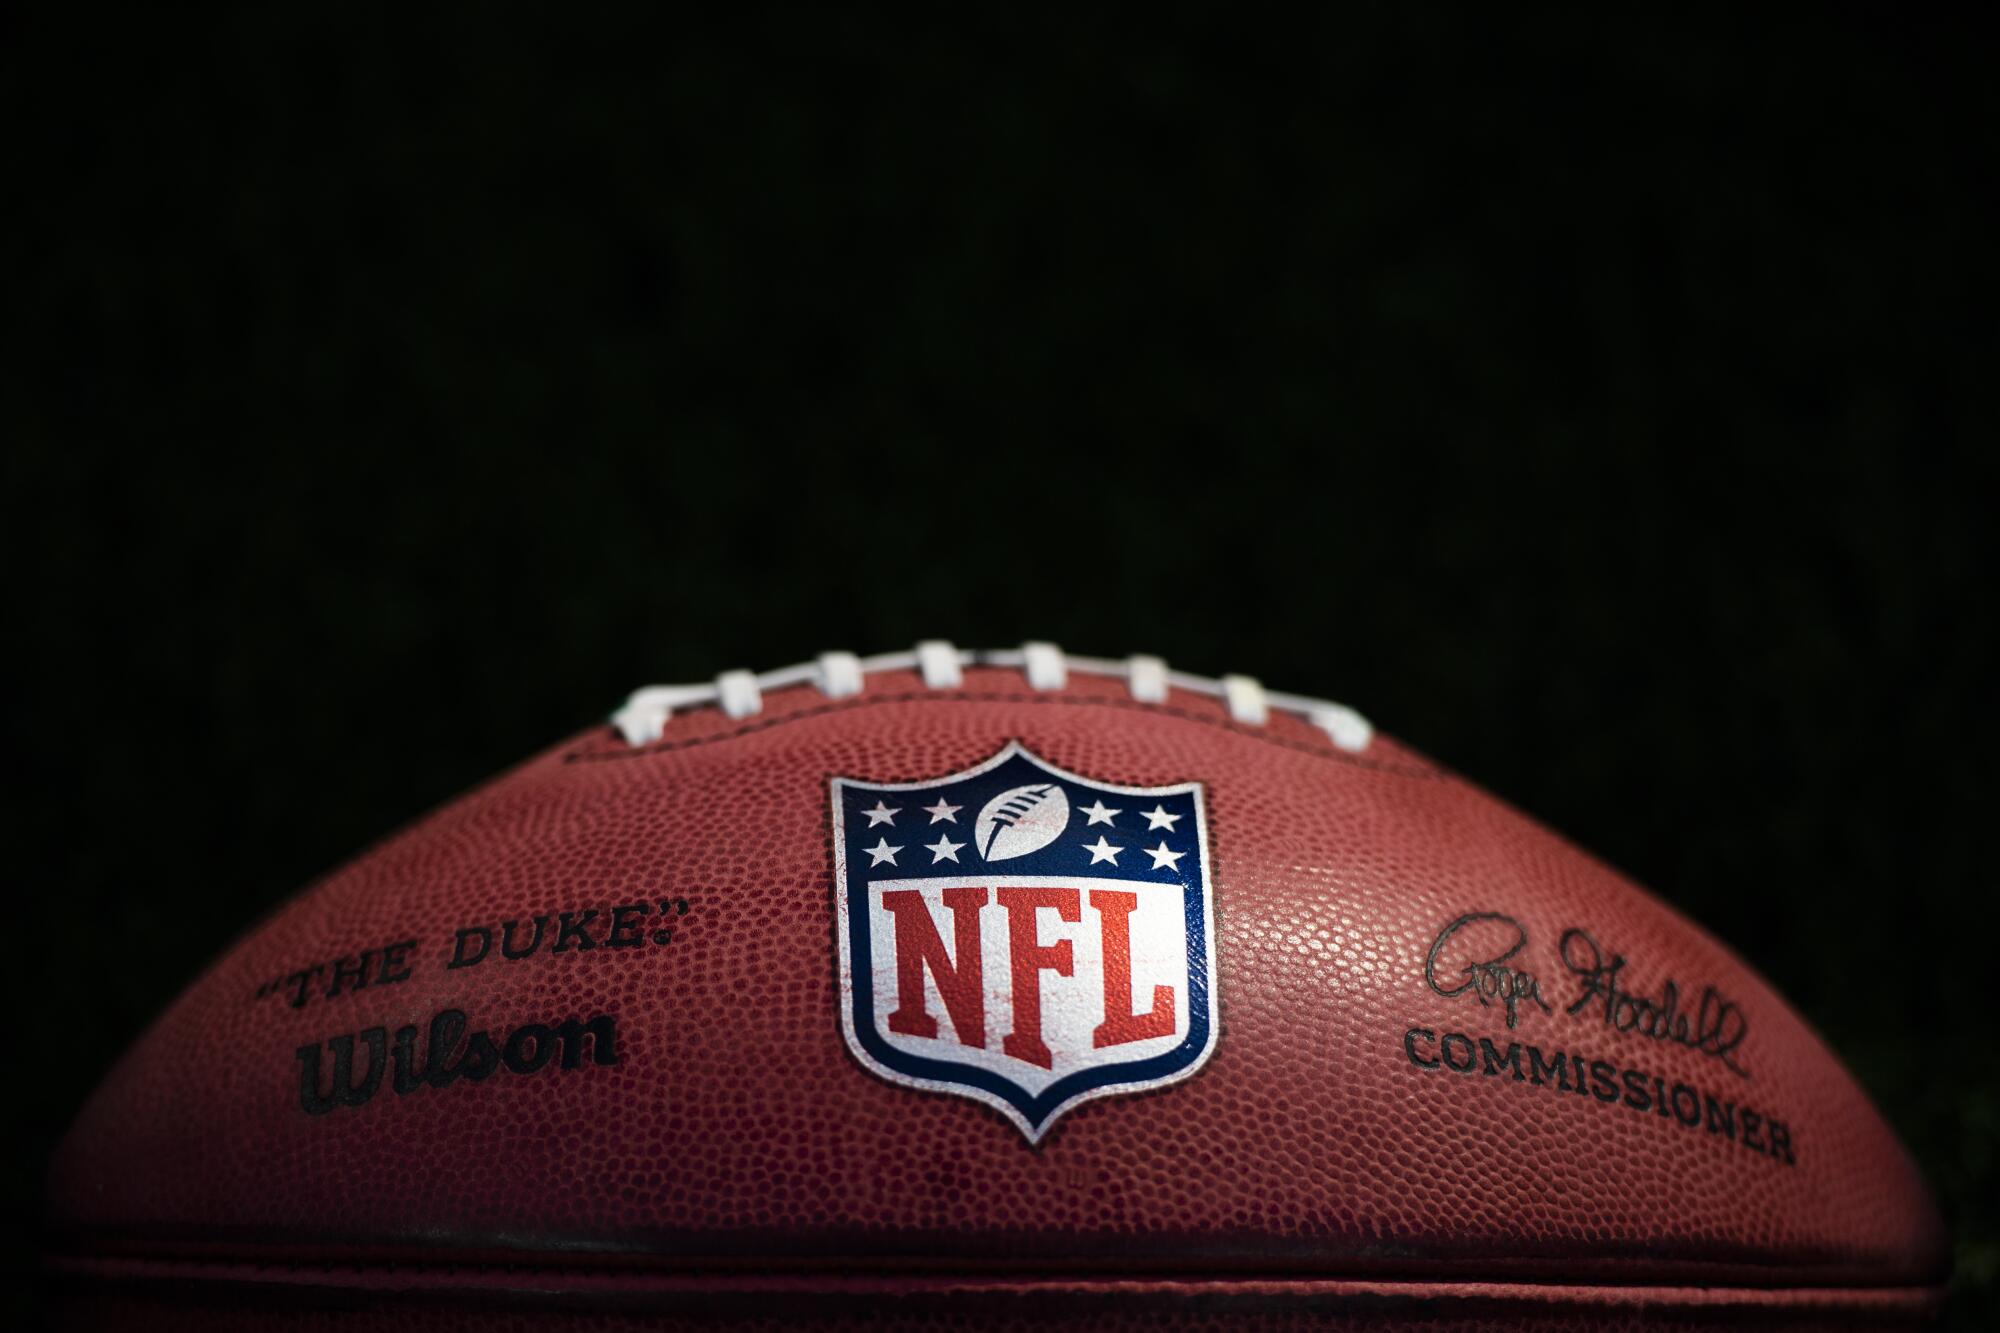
(1024, 936)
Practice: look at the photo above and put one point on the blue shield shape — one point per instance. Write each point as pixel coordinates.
(1023, 935)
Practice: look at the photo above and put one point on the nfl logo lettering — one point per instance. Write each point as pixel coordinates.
(1024, 936)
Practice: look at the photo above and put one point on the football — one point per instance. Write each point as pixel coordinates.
(989, 989)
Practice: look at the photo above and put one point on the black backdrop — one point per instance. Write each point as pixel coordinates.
(1604, 406)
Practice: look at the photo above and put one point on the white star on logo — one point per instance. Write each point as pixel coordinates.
(1103, 851)
(1162, 858)
(882, 851)
(883, 813)
(1158, 817)
(943, 813)
(944, 849)
(1098, 814)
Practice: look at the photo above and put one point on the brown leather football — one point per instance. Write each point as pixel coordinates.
(984, 988)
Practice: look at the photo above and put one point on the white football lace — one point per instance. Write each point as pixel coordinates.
(1047, 667)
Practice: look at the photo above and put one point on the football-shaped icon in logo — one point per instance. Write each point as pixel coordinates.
(1021, 820)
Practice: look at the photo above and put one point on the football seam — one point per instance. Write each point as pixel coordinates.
(971, 696)
(1109, 1279)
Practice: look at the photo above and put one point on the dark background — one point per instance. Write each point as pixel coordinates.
(1603, 405)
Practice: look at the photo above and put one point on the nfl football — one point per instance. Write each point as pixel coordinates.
(987, 989)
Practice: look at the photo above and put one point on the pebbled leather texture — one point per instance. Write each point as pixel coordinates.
(735, 1133)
